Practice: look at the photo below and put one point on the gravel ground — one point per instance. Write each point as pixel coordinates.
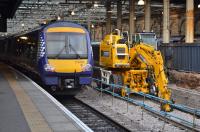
(187, 80)
(134, 118)
(185, 96)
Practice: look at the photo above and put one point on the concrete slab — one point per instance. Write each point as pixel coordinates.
(11, 116)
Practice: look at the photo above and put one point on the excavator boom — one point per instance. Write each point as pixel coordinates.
(146, 57)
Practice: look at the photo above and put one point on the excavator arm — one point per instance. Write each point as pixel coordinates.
(144, 56)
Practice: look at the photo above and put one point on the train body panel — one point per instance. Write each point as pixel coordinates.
(73, 65)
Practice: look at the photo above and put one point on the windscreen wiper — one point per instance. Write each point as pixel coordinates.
(74, 50)
(64, 48)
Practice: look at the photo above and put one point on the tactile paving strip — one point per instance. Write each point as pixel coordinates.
(34, 118)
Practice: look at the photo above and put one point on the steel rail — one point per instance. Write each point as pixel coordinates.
(92, 117)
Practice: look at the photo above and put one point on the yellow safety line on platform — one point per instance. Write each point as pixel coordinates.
(35, 120)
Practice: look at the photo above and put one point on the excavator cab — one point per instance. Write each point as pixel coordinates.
(147, 38)
(114, 51)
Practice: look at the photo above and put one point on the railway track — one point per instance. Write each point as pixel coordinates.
(92, 118)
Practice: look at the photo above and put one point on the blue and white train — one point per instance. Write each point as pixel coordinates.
(59, 53)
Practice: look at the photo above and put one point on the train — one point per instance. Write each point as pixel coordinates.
(59, 53)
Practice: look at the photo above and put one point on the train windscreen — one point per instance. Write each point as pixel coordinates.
(66, 45)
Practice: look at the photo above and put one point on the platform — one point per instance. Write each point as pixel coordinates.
(24, 107)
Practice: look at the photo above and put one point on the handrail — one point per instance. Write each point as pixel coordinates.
(168, 115)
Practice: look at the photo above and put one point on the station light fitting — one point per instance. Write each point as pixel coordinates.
(198, 5)
(92, 25)
(22, 24)
(58, 18)
(96, 5)
(44, 22)
(24, 37)
(141, 2)
(110, 11)
(72, 13)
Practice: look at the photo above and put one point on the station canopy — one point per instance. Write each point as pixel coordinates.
(32, 13)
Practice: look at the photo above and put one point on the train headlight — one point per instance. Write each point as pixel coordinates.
(87, 67)
(49, 68)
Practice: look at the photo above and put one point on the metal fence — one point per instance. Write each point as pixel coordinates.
(182, 57)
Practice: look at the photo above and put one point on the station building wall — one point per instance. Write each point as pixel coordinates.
(177, 26)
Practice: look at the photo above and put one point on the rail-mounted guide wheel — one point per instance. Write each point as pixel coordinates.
(123, 92)
(117, 81)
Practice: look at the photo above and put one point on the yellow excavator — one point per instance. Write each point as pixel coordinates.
(138, 66)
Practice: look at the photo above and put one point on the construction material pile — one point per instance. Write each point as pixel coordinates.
(185, 80)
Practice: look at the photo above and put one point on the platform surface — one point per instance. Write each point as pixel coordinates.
(24, 108)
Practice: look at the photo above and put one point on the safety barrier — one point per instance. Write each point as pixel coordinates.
(194, 112)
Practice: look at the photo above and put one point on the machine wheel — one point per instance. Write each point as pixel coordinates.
(123, 92)
(162, 106)
(153, 90)
(165, 107)
(116, 79)
(97, 74)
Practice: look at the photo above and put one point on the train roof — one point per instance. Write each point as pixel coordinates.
(52, 24)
